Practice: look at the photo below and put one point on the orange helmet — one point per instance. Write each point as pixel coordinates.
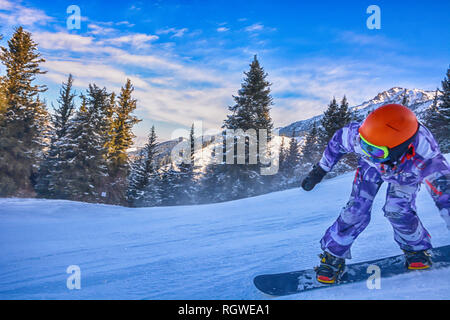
(389, 126)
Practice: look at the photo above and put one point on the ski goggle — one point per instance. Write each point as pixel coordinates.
(373, 151)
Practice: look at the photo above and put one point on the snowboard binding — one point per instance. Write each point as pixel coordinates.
(331, 268)
(419, 260)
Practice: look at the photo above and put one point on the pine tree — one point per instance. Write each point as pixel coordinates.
(292, 160)
(330, 122)
(86, 148)
(101, 105)
(66, 108)
(437, 117)
(109, 116)
(444, 111)
(253, 102)
(23, 125)
(344, 118)
(121, 140)
(282, 156)
(344, 114)
(170, 186)
(335, 117)
(187, 177)
(3, 103)
(251, 111)
(432, 118)
(311, 150)
(192, 144)
(280, 179)
(143, 179)
(53, 166)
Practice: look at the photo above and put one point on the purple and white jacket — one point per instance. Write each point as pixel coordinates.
(425, 166)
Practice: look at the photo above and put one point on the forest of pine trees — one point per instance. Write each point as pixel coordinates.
(437, 117)
(79, 149)
(75, 153)
(24, 119)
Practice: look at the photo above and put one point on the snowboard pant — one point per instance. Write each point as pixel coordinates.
(399, 209)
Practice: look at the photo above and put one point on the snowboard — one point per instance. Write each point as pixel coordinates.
(282, 284)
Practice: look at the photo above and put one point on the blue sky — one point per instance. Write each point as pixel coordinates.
(186, 58)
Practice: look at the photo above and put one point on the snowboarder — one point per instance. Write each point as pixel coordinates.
(393, 147)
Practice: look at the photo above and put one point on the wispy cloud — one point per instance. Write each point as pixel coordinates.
(6, 5)
(125, 23)
(258, 28)
(138, 40)
(64, 41)
(15, 14)
(223, 29)
(364, 40)
(88, 72)
(100, 30)
(254, 27)
(176, 33)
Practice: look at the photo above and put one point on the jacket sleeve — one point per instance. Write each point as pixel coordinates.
(435, 173)
(436, 177)
(343, 142)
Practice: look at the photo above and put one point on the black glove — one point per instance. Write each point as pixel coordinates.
(314, 177)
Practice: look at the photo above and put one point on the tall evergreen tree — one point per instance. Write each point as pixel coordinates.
(292, 160)
(143, 184)
(344, 118)
(121, 140)
(330, 122)
(250, 111)
(253, 102)
(280, 180)
(65, 109)
(54, 165)
(432, 117)
(3, 103)
(444, 111)
(282, 156)
(292, 155)
(192, 144)
(311, 149)
(335, 117)
(437, 117)
(170, 186)
(187, 176)
(87, 148)
(109, 116)
(25, 119)
(101, 105)
(344, 114)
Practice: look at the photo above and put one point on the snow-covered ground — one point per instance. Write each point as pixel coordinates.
(197, 252)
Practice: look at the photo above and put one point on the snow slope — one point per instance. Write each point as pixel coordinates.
(198, 252)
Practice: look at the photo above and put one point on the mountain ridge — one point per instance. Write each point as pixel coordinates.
(418, 101)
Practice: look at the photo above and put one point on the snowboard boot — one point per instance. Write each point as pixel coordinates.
(330, 268)
(417, 260)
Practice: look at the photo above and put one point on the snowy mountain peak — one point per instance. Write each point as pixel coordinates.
(416, 99)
